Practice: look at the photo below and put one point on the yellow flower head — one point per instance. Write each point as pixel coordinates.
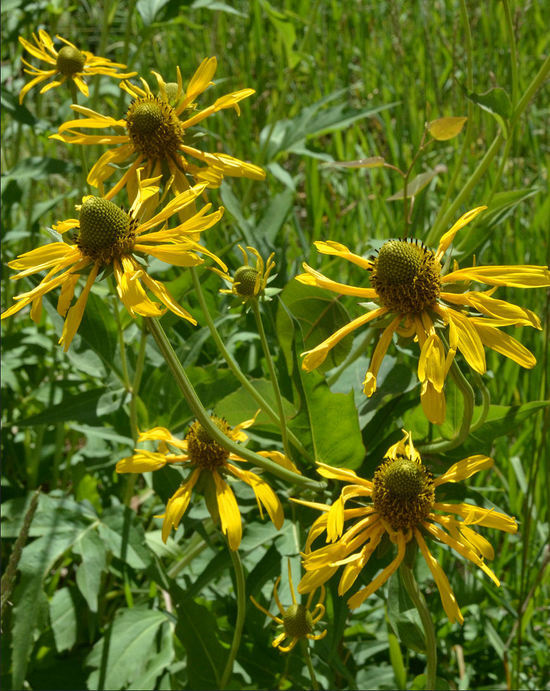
(107, 237)
(399, 502)
(210, 464)
(156, 131)
(66, 63)
(249, 281)
(297, 620)
(407, 281)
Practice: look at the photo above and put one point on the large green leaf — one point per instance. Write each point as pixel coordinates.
(88, 575)
(240, 405)
(121, 658)
(319, 314)
(331, 419)
(196, 628)
(64, 619)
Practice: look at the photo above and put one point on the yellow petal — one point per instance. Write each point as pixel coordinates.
(464, 469)
(158, 289)
(313, 277)
(524, 276)
(75, 314)
(431, 365)
(201, 79)
(141, 462)
(469, 342)
(316, 356)
(448, 599)
(449, 235)
(500, 309)
(433, 403)
(504, 344)
(313, 579)
(338, 250)
(264, 494)
(369, 385)
(177, 505)
(361, 595)
(230, 516)
(280, 459)
(67, 293)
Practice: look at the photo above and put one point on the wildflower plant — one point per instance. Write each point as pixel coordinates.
(166, 433)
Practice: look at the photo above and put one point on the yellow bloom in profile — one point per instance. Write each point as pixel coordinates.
(404, 507)
(107, 237)
(210, 465)
(407, 282)
(66, 63)
(156, 131)
(248, 281)
(297, 620)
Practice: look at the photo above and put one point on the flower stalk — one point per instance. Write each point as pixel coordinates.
(203, 417)
(241, 610)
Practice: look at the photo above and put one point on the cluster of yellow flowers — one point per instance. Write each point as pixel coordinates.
(416, 296)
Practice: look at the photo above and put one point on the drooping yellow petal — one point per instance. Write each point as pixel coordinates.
(66, 294)
(464, 469)
(511, 314)
(449, 235)
(177, 504)
(361, 595)
(264, 494)
(141, 462)
(476, 515)
(315, 278)
(448, 599)
(504, 344)
(314, 579)
(280, 459)
(459, 547)
(369, 384)
(131, 292)
(433, 403)
(158, 289)
(353, 569)
(431, 364)
(523, 276)
(469, 341)
(75, 314)
(338, 250)
(230, 517)
(316, 356)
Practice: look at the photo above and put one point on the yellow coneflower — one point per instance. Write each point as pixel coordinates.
(297, 620)
(399, 502)
(109, 237)
(66, 63)
(406, 280)
(209, 464)
(248, 281)
(156, 131)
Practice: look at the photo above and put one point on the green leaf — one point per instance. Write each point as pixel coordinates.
(88, 575)
(443, 129)
(99, 329)
(10, 104)
(240, 405)
(197, 630)
(418, 183)
(30, 602)
(123, 534)
(120, 659)
(331, 419)
(271, 222)
(319, 314)
(148, 9)
(403, 617)
(495, 101)
(63, 619)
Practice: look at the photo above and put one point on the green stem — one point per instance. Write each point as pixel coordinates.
(468, 397)
(513, 51)
(307, 658)
(234, 367)
(485, 402)
(411, 586)
(203, 417)
(273, 375)
(241, 609)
